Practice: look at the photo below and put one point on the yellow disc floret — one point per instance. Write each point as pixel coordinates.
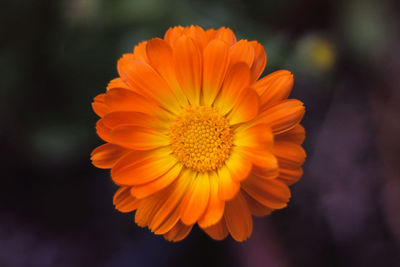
(201, 138)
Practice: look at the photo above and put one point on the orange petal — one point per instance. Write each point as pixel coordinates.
(218, 231)
(226, 35)
(197, 34)
(119, 99)
(215, 207)
(236, 80)
(260, 60)
(284, 116)
(117, 83)
(296, 135)
(188, 67)
(102, 131)
(215, 67)
(274, 87)
(161, 59)
(246, 109)
(120, 118)
(145, 190)
(124, 201)
(289, 154)
(256, 136)
(242, 51)
(255, 144)
(256, 208)
(271, 193)
(148, 207)
(211, 34)
(141, 167)
(99, 107)
(138, 74)
(141, 138)
(290, 176)
(227, 187)
(239, 167)
(169, 222)
(127, 58)
(172, 34)
(179, 232)
(105, 156)
(262, 85)
(175, 195)
(238, 218)
(169, 212)
(265, 163)
(196, 199)
(139, 52)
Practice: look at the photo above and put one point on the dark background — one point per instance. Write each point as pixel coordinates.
(56, 208)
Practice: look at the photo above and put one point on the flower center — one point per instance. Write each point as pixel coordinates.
(201, 138)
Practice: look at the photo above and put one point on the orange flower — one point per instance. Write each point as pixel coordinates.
(194, 137)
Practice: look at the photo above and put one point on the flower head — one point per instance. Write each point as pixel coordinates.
(194, 136)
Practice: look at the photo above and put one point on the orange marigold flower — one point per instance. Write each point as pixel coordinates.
(194, 136)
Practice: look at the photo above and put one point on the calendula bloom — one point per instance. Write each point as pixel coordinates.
(194, 136)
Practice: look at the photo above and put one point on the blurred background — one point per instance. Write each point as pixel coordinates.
(56, 208)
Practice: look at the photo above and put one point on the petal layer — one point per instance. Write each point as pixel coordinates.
(98, 105)
(160, 57)
(274, 87)
(289, 154)
(215, 66)
(145, 190)
(218, 231)
(215, 207)
(105, 156)
(137, 137)
(271, 193)
(296, 135)
(242, 51)
(236, 80)
(175, 196)
(246, 109)
(238, 218)
(284, 116)
(260, 60)
(195, 202)
(239, 167)
(188, 67)
(255, 207)
(227, 187)
(141, 167)
(179, 232)
(124, 201)
(148, 82)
